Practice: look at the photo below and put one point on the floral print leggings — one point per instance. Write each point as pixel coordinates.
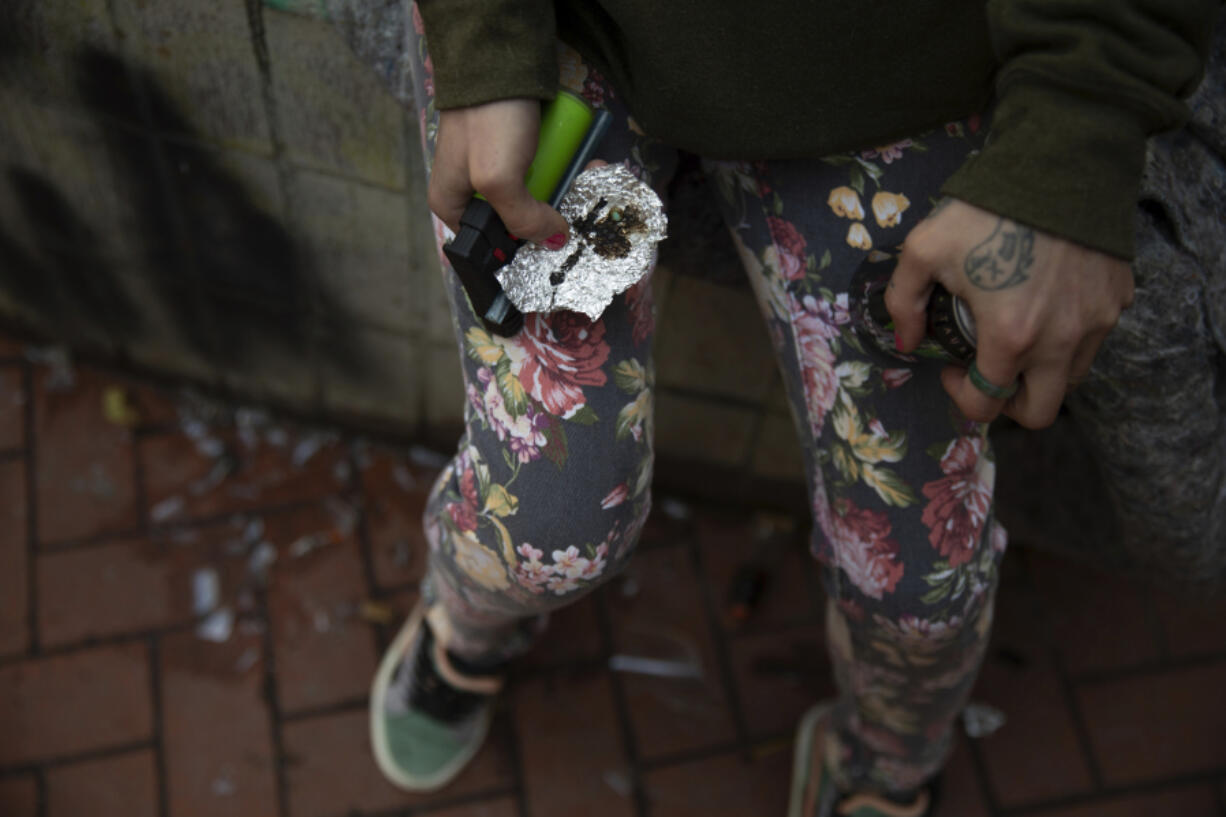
(549, 490)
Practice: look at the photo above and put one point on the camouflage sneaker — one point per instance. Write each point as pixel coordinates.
(427, 717)
(814, 793)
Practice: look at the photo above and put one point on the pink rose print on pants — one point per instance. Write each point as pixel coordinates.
(863, 549)
(790, 245)
(563, 353)
(960, 500)
(815, 323)
(615, 497)
(464, 514)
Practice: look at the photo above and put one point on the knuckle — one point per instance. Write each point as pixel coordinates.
(493, 183)
(1015, 342)
(919, 251)
(1068, 336)
(1018, 334)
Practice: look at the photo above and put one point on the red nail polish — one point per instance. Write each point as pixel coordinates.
(897, 342)
(556, 241)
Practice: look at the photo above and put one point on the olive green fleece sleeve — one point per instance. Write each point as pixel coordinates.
(1081, 85)
(483, 50)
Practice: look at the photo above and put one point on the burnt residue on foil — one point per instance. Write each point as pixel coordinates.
(611, 236)
(616, 221)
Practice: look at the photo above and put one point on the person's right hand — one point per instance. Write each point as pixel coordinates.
(487, 149)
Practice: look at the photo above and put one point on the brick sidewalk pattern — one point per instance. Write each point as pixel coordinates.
(191, 609)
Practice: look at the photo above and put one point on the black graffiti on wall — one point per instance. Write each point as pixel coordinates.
(230, 278)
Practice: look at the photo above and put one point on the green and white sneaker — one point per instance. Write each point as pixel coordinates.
(814, 793)
(427, 716)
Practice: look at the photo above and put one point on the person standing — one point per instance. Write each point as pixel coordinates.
(994, 148)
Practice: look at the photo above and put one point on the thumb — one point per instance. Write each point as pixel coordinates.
(907, 299)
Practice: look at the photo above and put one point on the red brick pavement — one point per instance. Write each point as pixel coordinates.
(14, 558)
(114, 702)
(119, 785)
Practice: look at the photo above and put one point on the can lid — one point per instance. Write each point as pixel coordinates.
(965, 320)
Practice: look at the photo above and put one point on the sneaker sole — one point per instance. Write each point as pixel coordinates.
(378, 735)
(802, 757)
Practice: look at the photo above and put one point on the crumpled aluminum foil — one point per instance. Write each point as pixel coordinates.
(616, 221)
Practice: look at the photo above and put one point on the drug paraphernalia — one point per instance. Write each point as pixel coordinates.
(616, 221)
(483, 243)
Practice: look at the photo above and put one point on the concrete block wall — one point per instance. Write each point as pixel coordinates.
(221, 191)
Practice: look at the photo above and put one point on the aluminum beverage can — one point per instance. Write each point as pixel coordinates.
(951, 333)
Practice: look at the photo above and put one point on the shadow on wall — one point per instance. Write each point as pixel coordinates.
(228, 277)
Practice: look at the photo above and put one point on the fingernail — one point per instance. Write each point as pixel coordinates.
(556, 241)
(897, 342)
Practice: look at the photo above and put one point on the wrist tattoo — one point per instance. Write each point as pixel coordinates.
(1003, 259)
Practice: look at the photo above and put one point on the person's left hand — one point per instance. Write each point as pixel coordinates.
(1042, 306)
